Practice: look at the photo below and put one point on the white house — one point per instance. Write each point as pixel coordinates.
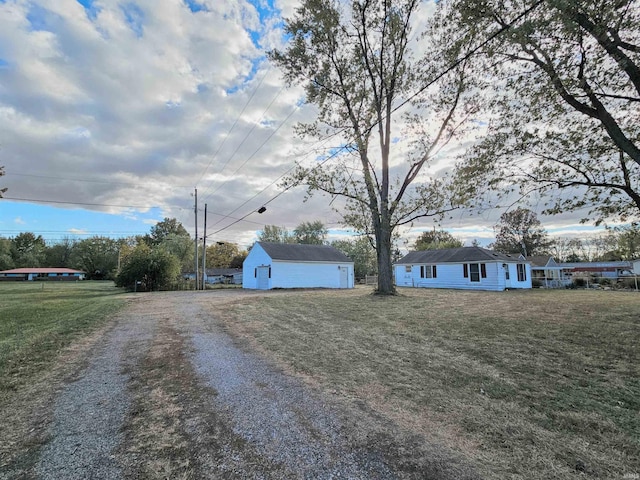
(472, 268)
(546, 271)
(282, 265)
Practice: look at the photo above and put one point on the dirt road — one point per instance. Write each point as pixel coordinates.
(164, 392)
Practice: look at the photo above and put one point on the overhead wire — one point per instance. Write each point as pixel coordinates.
(86, 180)
(247, 136)
(234, 124)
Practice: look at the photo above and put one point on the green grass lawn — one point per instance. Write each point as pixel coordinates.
(39, 319)
(524, 384)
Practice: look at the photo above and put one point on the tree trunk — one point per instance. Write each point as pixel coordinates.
(385, 270)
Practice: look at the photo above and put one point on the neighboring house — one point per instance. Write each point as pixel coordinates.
(635, 267)
(231, 276)
(549, 274)
(283, 265)
(611, 270)
(473, 268)
(61, 274)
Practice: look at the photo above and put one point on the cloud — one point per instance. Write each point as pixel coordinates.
(124, 107)
(19, 221)
(78, 231)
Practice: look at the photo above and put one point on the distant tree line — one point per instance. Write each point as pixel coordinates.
(153, 261)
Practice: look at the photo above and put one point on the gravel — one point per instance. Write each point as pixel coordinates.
(279, 420)
(279, 416)
(90, 412)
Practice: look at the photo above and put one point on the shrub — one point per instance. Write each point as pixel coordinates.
(579, 283)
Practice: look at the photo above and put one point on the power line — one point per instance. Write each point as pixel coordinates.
(255, 152)
(80, 203)
(50, 177)
(234, 124)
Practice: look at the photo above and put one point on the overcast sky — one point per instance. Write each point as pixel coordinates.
(113, 112)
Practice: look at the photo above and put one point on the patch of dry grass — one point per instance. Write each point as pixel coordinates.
(532, 384)
(173, 430)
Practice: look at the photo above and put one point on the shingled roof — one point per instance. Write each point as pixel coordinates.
(457, 255)
(303, 253)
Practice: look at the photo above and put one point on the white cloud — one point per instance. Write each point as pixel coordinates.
(19, 221)
(144, 105)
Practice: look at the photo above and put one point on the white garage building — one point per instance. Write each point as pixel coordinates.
(283, 265)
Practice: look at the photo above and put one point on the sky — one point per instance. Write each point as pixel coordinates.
(113, 113)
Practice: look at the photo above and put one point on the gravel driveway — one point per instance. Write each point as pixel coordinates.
(166, 393)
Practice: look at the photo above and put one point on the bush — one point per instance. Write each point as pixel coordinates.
(147, 269)
(579, 283)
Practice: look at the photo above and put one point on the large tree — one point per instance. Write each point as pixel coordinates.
(164, 229)
(97, 256)
(312, 233)
(59, 254)
(27, 250)
(222, 254)
(520, 231)
(275, 234)
(562, 98)
(355, 62)
(436, 239)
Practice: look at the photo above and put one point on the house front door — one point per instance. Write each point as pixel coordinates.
(507, 276)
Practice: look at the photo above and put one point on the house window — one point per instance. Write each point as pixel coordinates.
(428, 271)
(407, 269)
(474, 271)
(522, 272)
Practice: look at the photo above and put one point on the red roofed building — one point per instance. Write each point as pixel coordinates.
(60, 274)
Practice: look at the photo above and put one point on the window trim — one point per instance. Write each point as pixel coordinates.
(522, 272)
(428, 271)
(481, 271)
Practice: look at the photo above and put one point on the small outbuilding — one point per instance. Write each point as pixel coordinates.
(37, 273)
(284, 265)
(469, 268)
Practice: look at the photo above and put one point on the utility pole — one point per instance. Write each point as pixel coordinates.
(204, 247)
(196, 242)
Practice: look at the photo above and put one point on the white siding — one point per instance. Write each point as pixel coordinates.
(257, 258)
(308, 274)
(451, 275)
(285, 274)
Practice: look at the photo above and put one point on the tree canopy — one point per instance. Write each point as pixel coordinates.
(561, 92)
(167, 227)
(520, 231)
(355, 60)
(436, 239)
(312, 233)
(361, 252)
